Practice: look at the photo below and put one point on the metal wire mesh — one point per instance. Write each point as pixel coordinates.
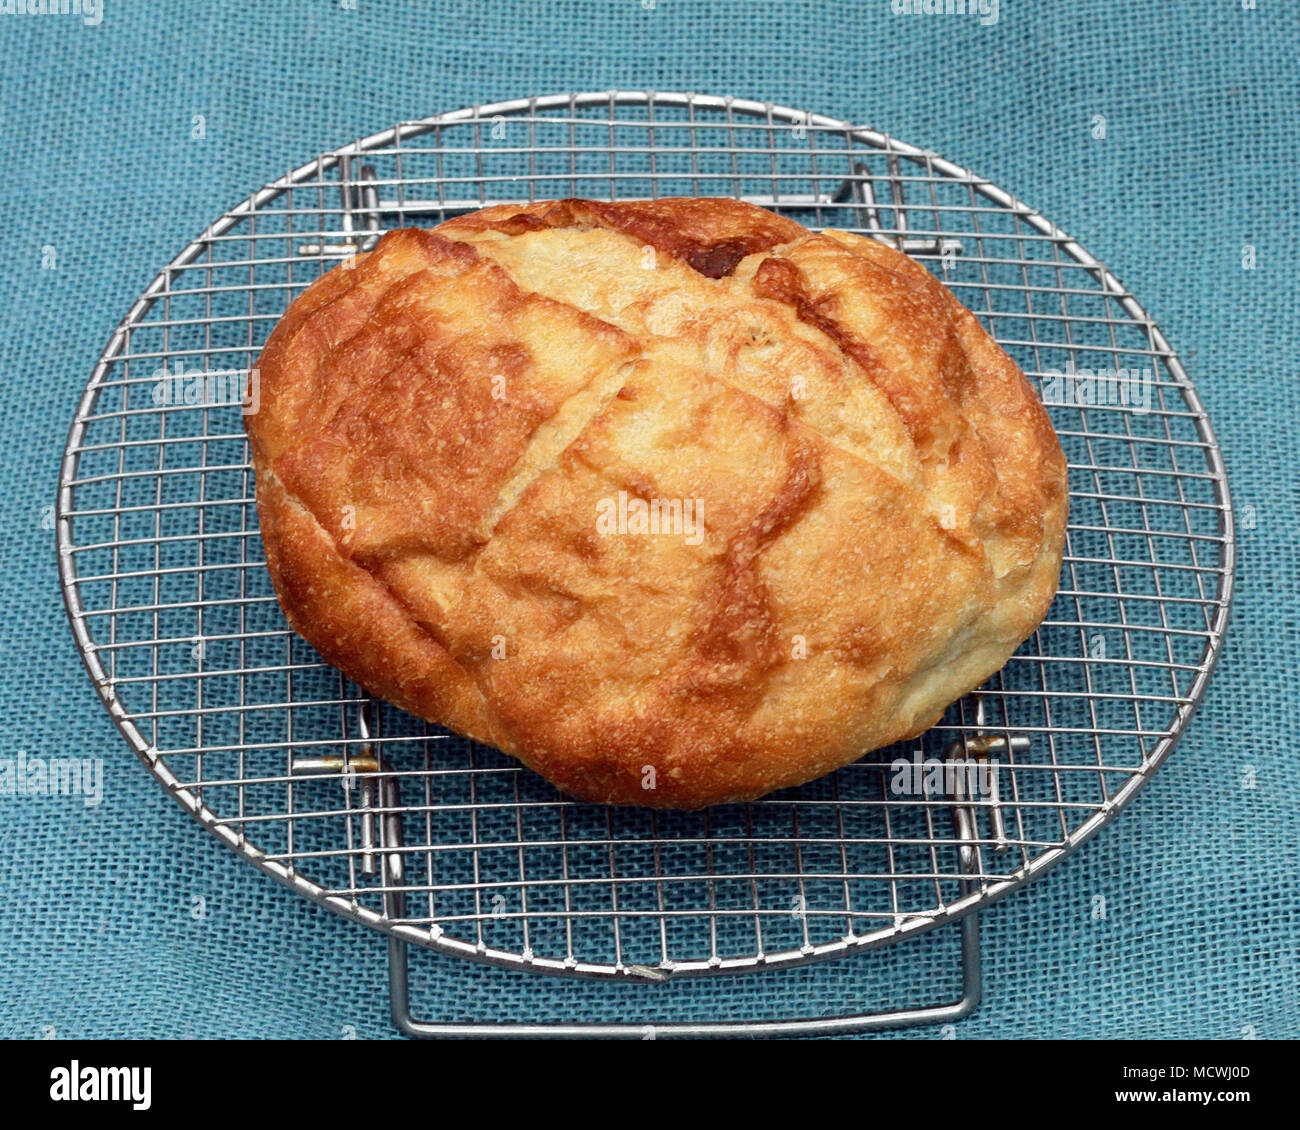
(173, 609)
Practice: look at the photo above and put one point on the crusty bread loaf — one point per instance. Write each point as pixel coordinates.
(676, 501)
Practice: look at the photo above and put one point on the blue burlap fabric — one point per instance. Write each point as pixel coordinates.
(1201, 876)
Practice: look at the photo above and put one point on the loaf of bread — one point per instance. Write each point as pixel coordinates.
(675, 501)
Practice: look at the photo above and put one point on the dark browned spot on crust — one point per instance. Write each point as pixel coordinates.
(719, 260)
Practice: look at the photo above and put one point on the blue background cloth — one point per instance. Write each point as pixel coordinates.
(1202, 103)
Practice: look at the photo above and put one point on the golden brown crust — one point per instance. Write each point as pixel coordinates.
(449, 424)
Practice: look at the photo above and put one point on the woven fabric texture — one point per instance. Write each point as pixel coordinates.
(125, 919)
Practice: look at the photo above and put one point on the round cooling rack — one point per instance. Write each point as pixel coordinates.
(448, 844)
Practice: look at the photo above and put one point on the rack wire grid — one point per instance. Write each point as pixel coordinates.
(291, 766)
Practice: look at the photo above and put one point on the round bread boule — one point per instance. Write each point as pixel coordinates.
(675, 501)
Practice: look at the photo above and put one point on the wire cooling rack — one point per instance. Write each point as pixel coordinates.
(447, 844)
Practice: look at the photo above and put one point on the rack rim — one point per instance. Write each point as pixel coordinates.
(434, 938)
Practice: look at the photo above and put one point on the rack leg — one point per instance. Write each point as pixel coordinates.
(399, 990)
(392, 869)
